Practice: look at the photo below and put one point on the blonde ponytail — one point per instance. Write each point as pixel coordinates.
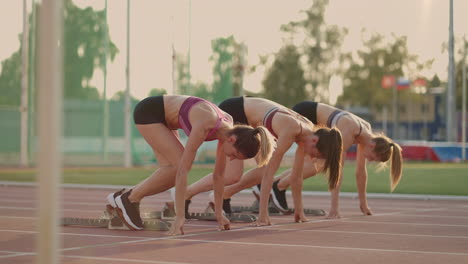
(330, 145)
(396, 167)
(385, 149)
(267, 145)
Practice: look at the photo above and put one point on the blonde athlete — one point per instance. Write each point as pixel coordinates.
(354, 130)
(158, 118)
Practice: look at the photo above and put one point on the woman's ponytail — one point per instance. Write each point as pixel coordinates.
(267, 145)
(396, 168)
(330, 145)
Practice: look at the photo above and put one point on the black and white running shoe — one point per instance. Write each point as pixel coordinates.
(187, 214)
(111, 197)
(256, 191)
(227, 206)
(279, 198)
(129, 212)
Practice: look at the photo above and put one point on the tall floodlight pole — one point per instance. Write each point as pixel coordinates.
(189, 46)
(128, 106)
(49, 85)
(32, 80)
(105, 114)
(464, 101)
(395, 111)
(24, 89)
(451, 83)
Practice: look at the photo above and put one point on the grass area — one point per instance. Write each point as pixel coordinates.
(418, 178)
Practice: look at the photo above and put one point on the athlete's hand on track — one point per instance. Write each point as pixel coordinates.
(177, 227)
(333, 214)
(300, 217)
(263, 220)
(365, 210)
(223, 223)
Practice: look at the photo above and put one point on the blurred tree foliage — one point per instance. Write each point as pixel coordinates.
(183, 74)
(321, 47)
(156, 92)
(184, 83)
(284, 81)
(459, 72)
(120, 97)
(227, 72)
(365, 69)
(85, 32)
(84, 36)
(10, 80)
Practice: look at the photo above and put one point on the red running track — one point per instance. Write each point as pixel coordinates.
(400, 231)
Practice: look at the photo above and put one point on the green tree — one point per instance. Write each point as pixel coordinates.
(202, 90)
(84, 34)
(84, 31)
(156, 92)
(183, 74)
(10, 80)
(459, 73)
(378, 57)
(321, 44)
(223, 53)
(120, 97)
(284, 81)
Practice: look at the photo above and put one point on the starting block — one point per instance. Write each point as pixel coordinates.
(273, 211)
(111, 220)
(168, 212)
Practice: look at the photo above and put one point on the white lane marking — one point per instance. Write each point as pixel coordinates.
(323, 247)
(123, 260)
(369, 233)
(399, 223)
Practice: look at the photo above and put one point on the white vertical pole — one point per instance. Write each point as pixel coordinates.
(464, 101)
(127, 121)
(451, 83)
(189, 90)
(49, 84)
(24, 89)
(174, 58)
(394, 113)
(384, 119)
(105, 115)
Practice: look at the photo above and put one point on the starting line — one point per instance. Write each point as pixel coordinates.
(160, 220)
(275, 212)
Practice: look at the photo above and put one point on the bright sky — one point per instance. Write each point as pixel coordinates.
(155, 24)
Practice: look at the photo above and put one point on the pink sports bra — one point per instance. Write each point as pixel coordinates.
(184, 121)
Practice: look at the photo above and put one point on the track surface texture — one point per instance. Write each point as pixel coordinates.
(400, 231)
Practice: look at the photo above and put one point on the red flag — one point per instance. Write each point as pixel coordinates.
(419, 82)
(388, 81)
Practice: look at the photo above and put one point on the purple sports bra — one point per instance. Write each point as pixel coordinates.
(184, 121)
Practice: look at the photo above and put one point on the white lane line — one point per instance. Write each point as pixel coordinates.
(400, 223)
(322, 247)
(368, 233)
(12, 254)
(34, 209)
(436, 216)
(18, 217)
(123, 260)
(18, 254)
(270, 228)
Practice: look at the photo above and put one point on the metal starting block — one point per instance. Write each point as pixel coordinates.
(111, 220)
(168, 212)
(273, 211)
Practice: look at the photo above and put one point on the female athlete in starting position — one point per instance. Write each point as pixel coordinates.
(370, 147)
